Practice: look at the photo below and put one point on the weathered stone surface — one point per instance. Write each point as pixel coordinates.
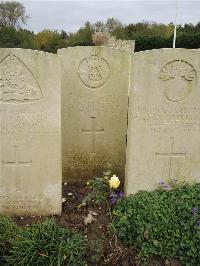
(164, 118)
(30, 139)
(125, 45)
(94, 110)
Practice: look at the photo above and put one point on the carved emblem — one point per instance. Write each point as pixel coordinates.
(93, 71)
(179, 77)
(17, 83)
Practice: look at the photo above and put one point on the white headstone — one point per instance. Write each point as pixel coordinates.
(164, 118)
(94, 110)
(30, 139)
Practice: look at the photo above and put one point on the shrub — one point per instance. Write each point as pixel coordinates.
(162, 223)
(103, 188)
(8, 231)
(47, 244)
(99, 190)
(96, 250)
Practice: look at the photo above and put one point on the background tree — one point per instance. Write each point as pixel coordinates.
(11, 38)
(50, 41)
(12, 14)
(112, 24)
(99, 26)
(147, 35)
(83, 37)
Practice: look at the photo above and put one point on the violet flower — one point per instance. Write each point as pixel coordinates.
(114, 196)
(194, 210)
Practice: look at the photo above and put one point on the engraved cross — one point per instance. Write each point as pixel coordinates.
(16, 163)
(171, 155)
(93, 132)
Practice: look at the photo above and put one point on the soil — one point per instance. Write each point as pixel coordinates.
(108, 250)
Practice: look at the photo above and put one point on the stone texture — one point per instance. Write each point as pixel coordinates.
(94, 83)
(164, 118)
(30, 139)
(125, 45)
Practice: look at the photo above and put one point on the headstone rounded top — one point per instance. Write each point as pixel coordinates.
(93, 71)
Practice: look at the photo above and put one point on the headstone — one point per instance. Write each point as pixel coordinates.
(30, 139)
(164, 118)
(94, 83)
(125, 45)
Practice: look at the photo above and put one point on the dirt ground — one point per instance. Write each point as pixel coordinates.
(106, 247)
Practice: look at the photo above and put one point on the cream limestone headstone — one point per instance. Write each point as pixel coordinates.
(94, 83)
(30, 140)
(126, 45)
(164, 118)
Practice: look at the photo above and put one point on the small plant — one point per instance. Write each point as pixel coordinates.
(103, 189)
(8, 231)
(45, 244)
(161, 223)
(99, 190)
(172, 183)
(96, 249)
(115, 196)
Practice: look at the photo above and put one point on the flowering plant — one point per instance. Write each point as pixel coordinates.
(104, 189)
(173, 183)
(161, 223)
(196, 215)
(115, 195)
(114, 182)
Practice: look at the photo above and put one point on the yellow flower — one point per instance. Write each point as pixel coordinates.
(87, 183)
(114, 182)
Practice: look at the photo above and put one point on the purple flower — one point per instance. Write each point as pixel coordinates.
(194, 210)
(175, 180)
(120, 194)
(113, 200)
(114, 196)
(166, 187)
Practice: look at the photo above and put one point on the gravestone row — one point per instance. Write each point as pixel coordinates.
(88, 88)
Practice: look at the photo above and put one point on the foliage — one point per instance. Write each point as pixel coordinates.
(111, 25)
(13, 38)
(147, 35)
(188, 40)
(99, 190)
(104, 188)
(12, 14)
(147, 29)
(8, 231)
(162, 223)
(47, 244)
(83, 37)
(172, 183)
(96, 249)
(50, 41)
